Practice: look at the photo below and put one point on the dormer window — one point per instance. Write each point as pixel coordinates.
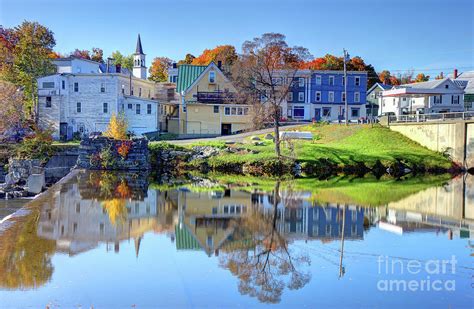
(446, 86)
(212, 77)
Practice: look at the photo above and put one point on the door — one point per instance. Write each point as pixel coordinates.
(317, 114)
(63, 131)
(226, 129)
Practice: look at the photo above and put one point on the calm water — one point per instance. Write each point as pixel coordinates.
(115, 241)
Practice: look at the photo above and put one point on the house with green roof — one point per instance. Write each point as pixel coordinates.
(207, 103)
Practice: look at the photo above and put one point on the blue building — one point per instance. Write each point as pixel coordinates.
(319, 95)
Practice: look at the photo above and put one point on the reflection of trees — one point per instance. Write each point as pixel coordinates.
(266, 266)
(25, 258)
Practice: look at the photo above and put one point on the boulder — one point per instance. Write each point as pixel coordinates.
(269, 136)
(35, 183)
(255, 138)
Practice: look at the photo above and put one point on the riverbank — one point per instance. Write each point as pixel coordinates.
(356, 149)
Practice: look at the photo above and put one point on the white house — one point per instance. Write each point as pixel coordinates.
(465, 80)
(435, 96)
(83, 94)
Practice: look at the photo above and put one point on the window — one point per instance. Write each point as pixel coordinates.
(148, 109)
(140, 92)
(81, 128)
(290, 97)
(48, 101)
(131, 91)
(298, 112)
(216, 109)
(438, 99)
(227, 111)
(48, 85)
(123, 89)
(246, 110)
(301, 82)
(318, 79)
(105, 108)
(137, 109)
(63, 84)
(102, 87)
(240, 111)
(446, 86)
(455, 99)
(357, 97)
(78, 107)
(301, 96)
(233, 111)
(357, 81)
(326, 112)
(343, 80)
(130, 106)
(76, 87)
(331, 96)
(212, 77)
(354, 112)
(318, 96)
(331, 80)
(343, 96)
(184, 109)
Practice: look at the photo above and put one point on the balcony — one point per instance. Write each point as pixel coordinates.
(217, 97)
(43, 92)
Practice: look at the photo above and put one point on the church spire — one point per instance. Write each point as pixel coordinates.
(139, 49)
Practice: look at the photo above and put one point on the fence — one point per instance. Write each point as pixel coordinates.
(457, 116)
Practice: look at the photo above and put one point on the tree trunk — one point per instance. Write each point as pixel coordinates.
(276, 129)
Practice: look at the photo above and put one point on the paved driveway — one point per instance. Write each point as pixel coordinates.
(232, 138)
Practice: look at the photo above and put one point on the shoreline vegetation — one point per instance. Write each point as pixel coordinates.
(334, 149)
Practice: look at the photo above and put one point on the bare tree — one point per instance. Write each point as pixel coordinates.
(266, 71)
(12, 114)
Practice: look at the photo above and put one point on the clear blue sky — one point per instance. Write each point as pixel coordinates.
(394, 35)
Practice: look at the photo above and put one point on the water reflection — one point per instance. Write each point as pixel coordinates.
(255, 234)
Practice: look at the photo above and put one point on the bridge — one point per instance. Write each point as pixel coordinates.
(448, 133)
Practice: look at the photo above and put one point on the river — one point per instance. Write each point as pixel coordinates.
(113, 240)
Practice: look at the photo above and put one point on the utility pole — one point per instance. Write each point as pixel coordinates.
(346, 112)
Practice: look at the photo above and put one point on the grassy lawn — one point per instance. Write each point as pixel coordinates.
(341, 145)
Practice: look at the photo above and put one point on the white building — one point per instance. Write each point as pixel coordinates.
(435, 96)
(83, 94)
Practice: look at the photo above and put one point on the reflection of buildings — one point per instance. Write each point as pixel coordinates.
(79, 224)
(445, 208)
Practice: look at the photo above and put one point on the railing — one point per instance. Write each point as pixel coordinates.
(456, 116)
(215, 97)
(47, 92)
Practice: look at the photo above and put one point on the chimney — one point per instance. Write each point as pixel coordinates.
(109, 63)
(455, 75)
(175, 65)
(219, 64)
(118, 68)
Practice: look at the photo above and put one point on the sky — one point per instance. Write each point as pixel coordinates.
(420, 35)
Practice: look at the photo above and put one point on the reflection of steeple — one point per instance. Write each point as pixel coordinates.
(137, 241)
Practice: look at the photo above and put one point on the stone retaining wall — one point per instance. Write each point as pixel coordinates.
(101, 153)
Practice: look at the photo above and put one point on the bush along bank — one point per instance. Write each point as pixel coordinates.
(237, 159)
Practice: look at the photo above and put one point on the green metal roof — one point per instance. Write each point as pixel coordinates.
(185, 240)
(187, 74)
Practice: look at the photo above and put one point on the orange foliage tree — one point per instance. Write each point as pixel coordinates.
(159, 69)
(224, 53)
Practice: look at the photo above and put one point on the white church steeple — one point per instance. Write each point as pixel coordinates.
(139, 66)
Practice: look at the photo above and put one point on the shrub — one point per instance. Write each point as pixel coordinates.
(36, 146)
(124, 148)
(107, 158)
(117, 128)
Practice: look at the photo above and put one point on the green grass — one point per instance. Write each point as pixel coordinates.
(341, 145)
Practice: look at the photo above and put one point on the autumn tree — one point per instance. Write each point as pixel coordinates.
(188, 59)
(384, 77)
(11, 101)
(117, 128)
(97, 54)
(159, 69)
(422, 78)
(224, 53)
(440, 76)
(81, 54)
(124, 61)
(266, 71)
(24, 56)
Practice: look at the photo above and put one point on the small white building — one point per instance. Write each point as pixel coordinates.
(435, 96)
(83, 95)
